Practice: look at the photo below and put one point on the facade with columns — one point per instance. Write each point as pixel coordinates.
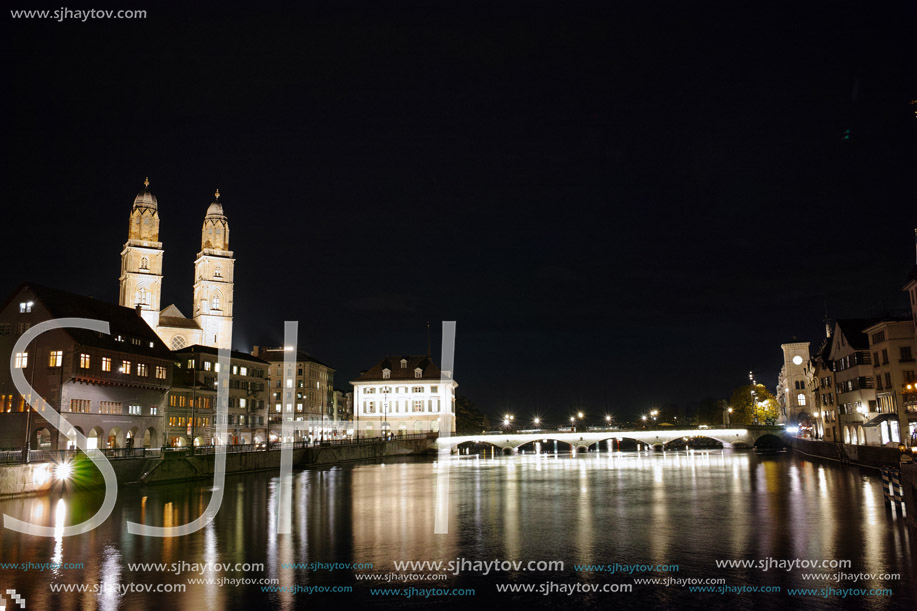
(141, 278)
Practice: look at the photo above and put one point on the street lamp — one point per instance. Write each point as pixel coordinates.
(536, 421)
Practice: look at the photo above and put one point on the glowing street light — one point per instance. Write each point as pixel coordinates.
(63, 471)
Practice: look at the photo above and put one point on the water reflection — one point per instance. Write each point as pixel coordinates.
(685, 508)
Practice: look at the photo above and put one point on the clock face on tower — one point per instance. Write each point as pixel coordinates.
(797, 360)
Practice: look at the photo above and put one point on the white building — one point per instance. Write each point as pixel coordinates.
(141, 278)
(403, 395)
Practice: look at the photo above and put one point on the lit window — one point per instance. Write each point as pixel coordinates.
(235, 370)
(208, 365)
(244, 371)
(216, 367)
(56, 358)
(106, 363)
(277, 407)
(134, 410)
(142, 370)
(125, 367)
(160, 372)
(22, 360)
(242, 403)
(25, 307)
(84, 361)
(801, 399)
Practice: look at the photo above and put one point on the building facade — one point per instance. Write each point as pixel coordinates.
(891, 343)
(854, 380)
(304, 394)
(141, 277)
(111, 387)
(191, 416)
(403, 395)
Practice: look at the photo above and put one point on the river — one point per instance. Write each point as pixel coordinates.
(677, 516)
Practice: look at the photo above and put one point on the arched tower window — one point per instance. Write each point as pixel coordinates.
(143, 296)
(218, 272)
(144, 263)
(215, 301)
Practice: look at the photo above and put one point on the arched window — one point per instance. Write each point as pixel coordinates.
(178, 342)
(218, 272)
(801, 399)
(215, 301)
(143, 296)
(144, 263)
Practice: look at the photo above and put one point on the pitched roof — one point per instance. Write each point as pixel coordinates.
(277, 355)
(122, 321)
(235, 354)
(853, 328)
(911, 276)
(429, 370)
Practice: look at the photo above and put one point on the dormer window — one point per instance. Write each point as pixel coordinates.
(404, 363)
(25, 307)
(418, 373)
(386, 373)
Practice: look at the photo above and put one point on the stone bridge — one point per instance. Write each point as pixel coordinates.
(582, 440)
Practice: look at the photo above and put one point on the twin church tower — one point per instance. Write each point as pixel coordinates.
(141, 278)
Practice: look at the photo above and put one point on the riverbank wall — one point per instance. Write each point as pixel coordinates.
(864, 456)
(39, 478)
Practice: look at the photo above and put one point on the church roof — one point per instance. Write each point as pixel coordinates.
(145, 199)
(215, 210)
(429, 370)
(136, 336)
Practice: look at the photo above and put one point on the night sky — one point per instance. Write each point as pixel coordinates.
(622, 205)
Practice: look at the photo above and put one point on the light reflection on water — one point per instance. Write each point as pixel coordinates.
(678, 508)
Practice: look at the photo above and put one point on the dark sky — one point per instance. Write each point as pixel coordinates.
(621, 205)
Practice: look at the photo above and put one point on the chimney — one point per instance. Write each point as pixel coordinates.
(139, 310)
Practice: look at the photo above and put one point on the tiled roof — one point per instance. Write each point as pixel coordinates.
(123, 322)
(393, 363)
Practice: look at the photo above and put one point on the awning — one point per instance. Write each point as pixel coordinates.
(880, 419)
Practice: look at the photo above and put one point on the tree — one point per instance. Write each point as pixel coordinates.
(750, 401)
(468, 420)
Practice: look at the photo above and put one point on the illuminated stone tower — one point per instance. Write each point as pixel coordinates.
(213, 279)
(141, 259)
